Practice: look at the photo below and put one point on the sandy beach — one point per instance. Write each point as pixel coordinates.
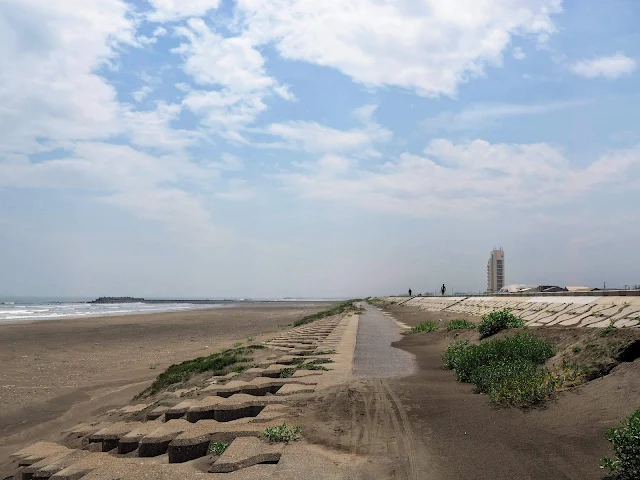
(56, 371)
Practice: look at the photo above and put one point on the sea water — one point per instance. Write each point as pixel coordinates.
(21, 309)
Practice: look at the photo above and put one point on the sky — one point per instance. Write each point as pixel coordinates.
(304, 148)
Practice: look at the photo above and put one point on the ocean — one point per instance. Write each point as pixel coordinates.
(23, 309)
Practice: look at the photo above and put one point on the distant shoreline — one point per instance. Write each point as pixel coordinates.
(106, 300)
(110, 300)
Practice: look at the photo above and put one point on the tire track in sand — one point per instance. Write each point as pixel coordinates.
(381, 426)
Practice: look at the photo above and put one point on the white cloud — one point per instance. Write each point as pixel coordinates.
(140, 95)
(315, 137)
(159, 32)
(429, 47)
(162, 188)
(487, 115)
(237, 190)
(231, 76)
(230, 162)
(153, 129)
(518, 54)
(49, 53)
(465, 178)
(146, 41)
(173, 10)
(610, 67)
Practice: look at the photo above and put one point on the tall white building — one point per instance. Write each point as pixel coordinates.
(495, 271)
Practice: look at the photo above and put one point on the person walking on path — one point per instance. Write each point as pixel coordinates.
(443, 289)
(409, 292)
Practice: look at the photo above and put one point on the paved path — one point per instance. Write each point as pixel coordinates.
(374, 355)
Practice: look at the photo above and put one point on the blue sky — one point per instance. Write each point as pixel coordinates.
(298, 148)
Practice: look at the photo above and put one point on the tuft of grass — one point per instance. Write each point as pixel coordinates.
(240, 368)
(460, 325)
(282, 433)
(338, 309)
(494, 322)
(308, 353)
(318, 361)
(576, 349)
(237, 344)
(312, 366)
(153, 366)
(287, 372)
(424, 327)
(626, 444)
(217, 448)
(607, 330)
(181, 372)
(250, 339)
(509, 370)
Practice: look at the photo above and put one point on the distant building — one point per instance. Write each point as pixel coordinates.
(579, 289)
(517, 288)
(495, 271)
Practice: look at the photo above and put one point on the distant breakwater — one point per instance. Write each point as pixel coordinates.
(103, 300)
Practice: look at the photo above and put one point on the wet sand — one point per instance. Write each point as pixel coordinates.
(56, 372)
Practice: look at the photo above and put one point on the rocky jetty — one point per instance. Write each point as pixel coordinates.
(117, 300)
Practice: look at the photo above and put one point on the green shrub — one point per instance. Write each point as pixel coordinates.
(626, 445)
(507, 369)
(454, 352)
(425, 327)
(217, 448)
(338, 309)
(460, 325)
(514, 382)
(282, 433)
(494, 322)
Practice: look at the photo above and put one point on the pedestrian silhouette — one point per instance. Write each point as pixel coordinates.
(409, 292)
(443, 289)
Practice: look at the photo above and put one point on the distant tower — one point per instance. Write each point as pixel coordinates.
(495, 271)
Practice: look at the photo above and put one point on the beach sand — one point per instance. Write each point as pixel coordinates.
(56, 373)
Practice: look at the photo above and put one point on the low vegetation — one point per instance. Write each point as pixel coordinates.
(460, 325)
(338, 309)
(626, 445)
(217, 448)
(424, 327)
(497, 321)
(219, 363)
(287, 372)
(509, 370)
(312, 366)
(282, 433)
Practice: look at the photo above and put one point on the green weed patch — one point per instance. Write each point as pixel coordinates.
(218, 363)
(424, 327)
(494, 322)
(509, 370)
(338, 309)
(460, 325)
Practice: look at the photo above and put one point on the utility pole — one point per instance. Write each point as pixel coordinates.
(605, 285)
